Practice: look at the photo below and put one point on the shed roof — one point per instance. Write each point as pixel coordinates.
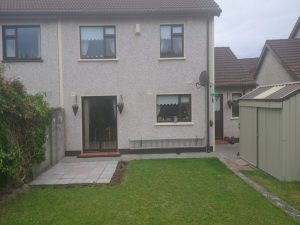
(275, 92)
(231, 71)
(107, 7)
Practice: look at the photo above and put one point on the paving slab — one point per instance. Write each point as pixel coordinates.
(78, 172)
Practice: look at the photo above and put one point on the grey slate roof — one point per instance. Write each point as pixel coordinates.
(276, 92)
(230, 71)
(295, 29)
(107, 7)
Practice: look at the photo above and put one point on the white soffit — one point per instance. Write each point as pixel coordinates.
(269, 92)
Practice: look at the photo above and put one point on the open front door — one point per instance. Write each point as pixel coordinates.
(219, 117)
(99, 123)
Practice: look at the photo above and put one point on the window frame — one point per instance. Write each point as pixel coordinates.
(179, 109)
(105, 36)
(233, 93)
(15, 37)
(173, 35)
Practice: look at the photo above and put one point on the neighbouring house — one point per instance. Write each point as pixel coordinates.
(234, 78)
(280, 60)
(123, 71)
(270, 129)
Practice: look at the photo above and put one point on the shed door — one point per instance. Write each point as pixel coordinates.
(248, 134)
(269, 141)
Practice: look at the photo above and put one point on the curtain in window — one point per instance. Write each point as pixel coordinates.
(165, 36)
(92, 45)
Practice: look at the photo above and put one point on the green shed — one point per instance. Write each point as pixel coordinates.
(270, 129)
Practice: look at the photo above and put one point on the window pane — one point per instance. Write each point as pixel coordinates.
(185, 113)
(10, 31)
(177, 30)
(10, 48)
(110, 30)
(177, 46)
(185, 99)
(29, 42)
(170, 110)
(92, 42)
(110, 47)
(235, 105)
(165, 39)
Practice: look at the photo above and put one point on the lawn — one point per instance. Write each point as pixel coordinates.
(288, 191)
(171, 192)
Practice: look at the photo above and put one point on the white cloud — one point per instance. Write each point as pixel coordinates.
(246, 25)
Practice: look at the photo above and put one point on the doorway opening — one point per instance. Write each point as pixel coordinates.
(99, 123)
(219, 129)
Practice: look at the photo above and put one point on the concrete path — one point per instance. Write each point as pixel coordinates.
(98, 172)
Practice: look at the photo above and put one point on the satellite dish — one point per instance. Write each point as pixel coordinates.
(203, 79)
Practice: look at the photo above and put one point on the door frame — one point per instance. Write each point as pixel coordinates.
(222, 118)
(82, 120)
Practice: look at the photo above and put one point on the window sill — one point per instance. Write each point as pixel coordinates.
(98, 60)
(172, 58)
(21, 60)
(235, 118)
(175, 124)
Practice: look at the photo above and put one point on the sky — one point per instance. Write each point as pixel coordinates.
(244, 26)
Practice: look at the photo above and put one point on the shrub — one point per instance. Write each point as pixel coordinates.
(24, 119)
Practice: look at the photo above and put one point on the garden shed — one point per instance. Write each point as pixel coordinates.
(270, 129)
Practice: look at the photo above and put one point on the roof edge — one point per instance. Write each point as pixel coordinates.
(113, 12)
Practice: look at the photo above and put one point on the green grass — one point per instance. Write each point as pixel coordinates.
(288, 191)
(171, 192)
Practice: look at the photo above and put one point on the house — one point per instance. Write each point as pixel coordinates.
(280, 60)
(270, 129)
(234, 78)
(123, 71)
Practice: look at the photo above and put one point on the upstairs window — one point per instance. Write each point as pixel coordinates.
(235, 111)
(171, 41)
(173, 108)
(21, 42)
(97, 42)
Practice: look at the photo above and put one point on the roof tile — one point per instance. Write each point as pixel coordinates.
(230, 71)
(8, 7)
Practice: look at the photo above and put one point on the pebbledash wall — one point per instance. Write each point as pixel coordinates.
(38, 76)
(272, 72)
(138, 74)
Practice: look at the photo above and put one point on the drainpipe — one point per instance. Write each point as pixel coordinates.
(208, 84)
(60, 64)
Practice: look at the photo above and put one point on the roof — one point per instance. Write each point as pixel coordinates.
(295, 29)
(275, 92)
(231, 71)
(250, 64)
(107, 7)
(287, 53)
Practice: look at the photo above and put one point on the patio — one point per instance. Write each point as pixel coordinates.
(82, 172)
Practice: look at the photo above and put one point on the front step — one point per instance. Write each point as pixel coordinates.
(99, 154)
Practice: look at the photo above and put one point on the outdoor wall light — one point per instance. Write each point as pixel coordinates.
(75, 106)
(120, 104)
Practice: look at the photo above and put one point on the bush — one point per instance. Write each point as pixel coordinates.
(24, 119)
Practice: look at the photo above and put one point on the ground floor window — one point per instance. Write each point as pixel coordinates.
(235, 112)
(173, 108)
